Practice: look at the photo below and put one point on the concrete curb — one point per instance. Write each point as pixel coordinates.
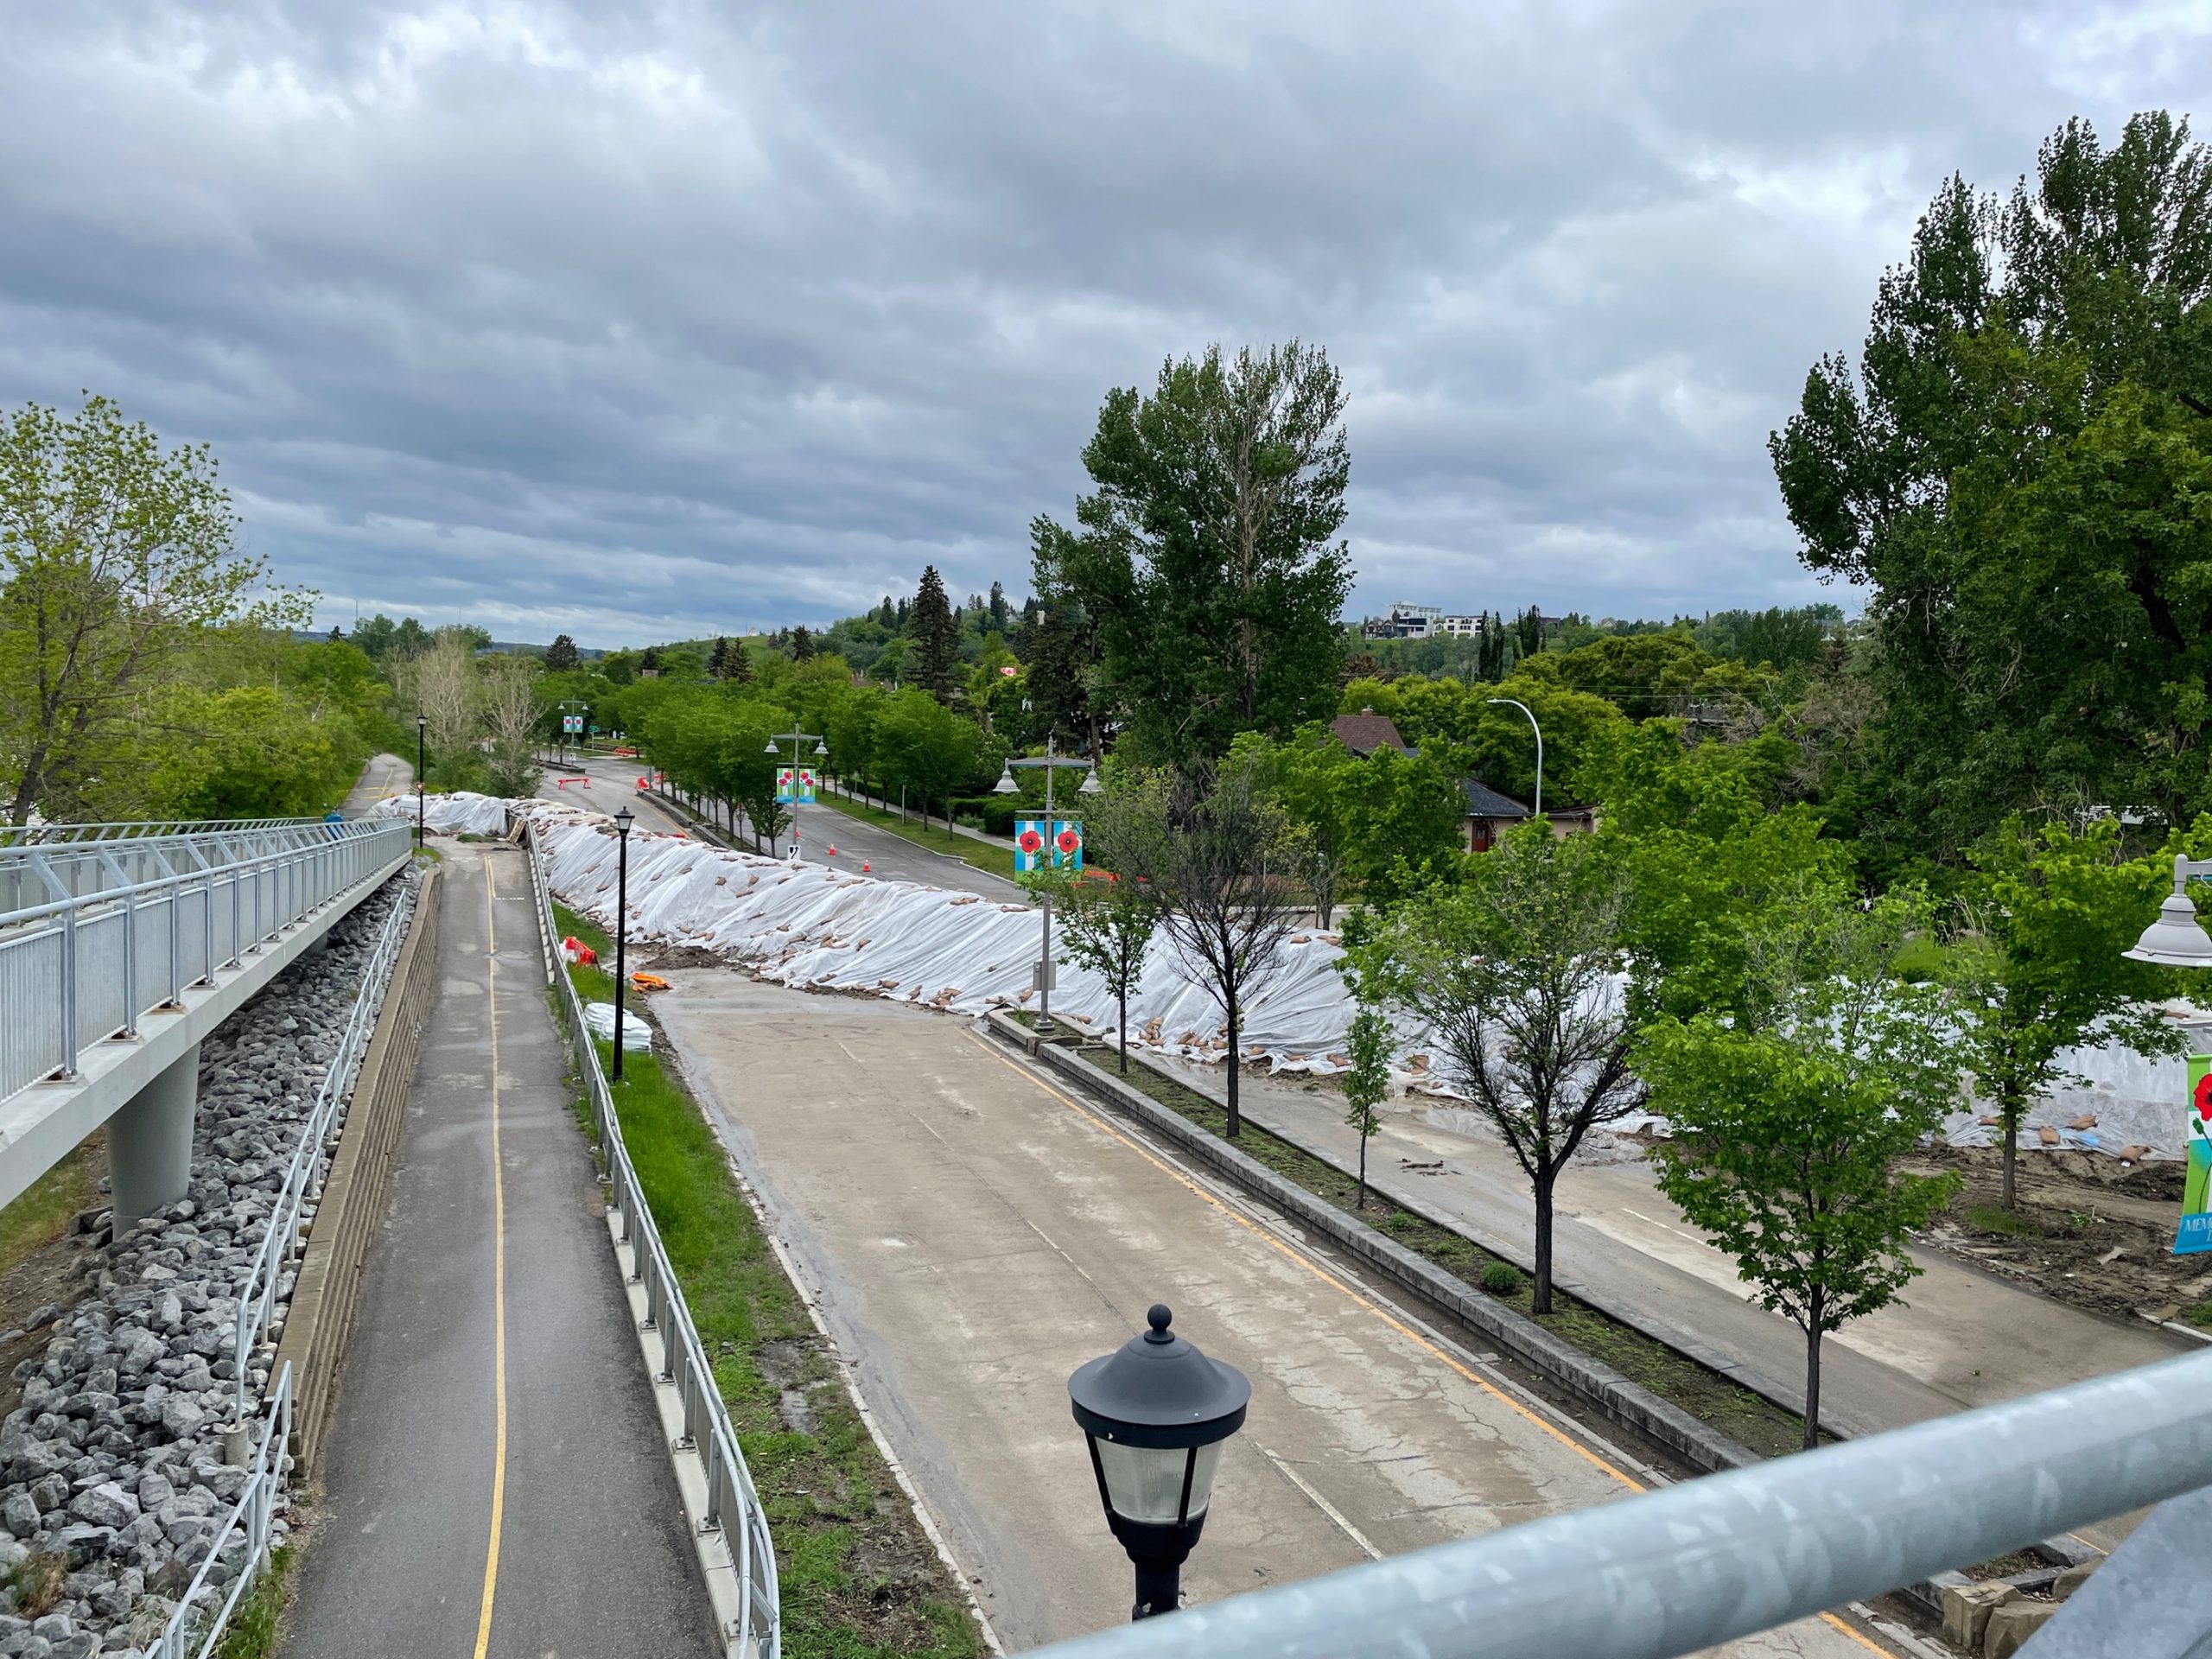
(320, 1318)
(1621, 1400)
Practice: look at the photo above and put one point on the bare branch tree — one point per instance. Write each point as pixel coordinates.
(1222, 860)
(512, 710)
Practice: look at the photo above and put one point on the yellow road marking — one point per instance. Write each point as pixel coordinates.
(1345, 1290)
(499, 1276)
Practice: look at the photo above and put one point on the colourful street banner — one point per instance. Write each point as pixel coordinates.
(1038, 842)
(2195, 1232)
(794, 793)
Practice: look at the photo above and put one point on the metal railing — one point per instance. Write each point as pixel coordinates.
(14, 835)
(1714, 1559)
(98, 934)
(245, 1537)
(733, 1507)
(288, 1221)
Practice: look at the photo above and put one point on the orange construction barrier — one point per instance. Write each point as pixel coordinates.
(649, 982)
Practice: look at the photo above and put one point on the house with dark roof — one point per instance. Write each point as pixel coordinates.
(1366, 732)
(1490, 814)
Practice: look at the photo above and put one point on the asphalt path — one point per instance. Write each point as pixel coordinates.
(383, 776)
(496, 1482)
(971, 1233)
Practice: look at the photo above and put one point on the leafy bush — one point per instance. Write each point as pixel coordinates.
(1501, 1279)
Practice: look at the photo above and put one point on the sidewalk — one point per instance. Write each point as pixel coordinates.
(1962, 1341)
(496, 1482)
(384, 775)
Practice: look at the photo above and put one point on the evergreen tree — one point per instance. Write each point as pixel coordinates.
(905, 614)
(1529, 633)
(937, 638)
(802, 644)
(718, 659)
(887, 614)
(1000, 612)
(561, 656)
(737, 664)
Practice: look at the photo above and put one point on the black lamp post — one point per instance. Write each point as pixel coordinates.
(421, 727)
(1157, 1412)
(623, 820)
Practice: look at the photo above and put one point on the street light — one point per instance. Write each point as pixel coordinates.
(623, 820)
(1156, 1413)
(1006, 785)
(1539, 731)
(421, 727)
(821, 752)
(2177, 939)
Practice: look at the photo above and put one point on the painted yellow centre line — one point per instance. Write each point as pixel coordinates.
(1327, 1278)
(499, 1275)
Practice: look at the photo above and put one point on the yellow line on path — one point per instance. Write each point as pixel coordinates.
(1338, 1284)
(499, 1274)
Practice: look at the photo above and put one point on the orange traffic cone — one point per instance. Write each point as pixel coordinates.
(833, 849)
(863, 866)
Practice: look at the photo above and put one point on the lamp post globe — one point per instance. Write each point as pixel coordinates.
(2177, 939)
(1156, 1413)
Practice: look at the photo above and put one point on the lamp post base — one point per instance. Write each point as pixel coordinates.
(1160, 1588)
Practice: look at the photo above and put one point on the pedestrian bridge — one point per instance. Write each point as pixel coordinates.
(122, 946)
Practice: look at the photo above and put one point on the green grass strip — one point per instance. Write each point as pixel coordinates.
(860, 1580)
(988, 856)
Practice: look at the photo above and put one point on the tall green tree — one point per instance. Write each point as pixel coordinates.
(1207, 548)
(1789, 1114)
(114, 555)
(1514, 975)
(561, 656)
(2017, 470)
(2036, 969)
(1107, 926)
(936, 664)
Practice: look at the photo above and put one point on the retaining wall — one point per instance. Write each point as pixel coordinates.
(320, 1318)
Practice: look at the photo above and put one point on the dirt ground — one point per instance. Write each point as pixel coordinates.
(2088, 1231)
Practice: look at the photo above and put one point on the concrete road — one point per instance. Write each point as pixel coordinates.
(1963, 1339)
(383, 776)
(972, 1233)
(495, 1481)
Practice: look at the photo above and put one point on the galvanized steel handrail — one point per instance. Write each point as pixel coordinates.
(250, 1520)
(310, 1163)
(732, 1505)
(1683, 1569)
(30, 835)
(79, 967)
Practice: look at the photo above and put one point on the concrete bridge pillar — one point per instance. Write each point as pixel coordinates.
(149, 1142)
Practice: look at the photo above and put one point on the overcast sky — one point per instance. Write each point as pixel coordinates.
(655, 321)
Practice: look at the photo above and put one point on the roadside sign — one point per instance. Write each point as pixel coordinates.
(2196, 1231)
(572, 722)
(794, 788)
(1041, 841)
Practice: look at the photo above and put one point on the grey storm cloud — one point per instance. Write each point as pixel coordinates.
(658, 320)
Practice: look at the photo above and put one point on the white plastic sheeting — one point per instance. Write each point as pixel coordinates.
(807, 924)
(461, 813)
(637, 1035)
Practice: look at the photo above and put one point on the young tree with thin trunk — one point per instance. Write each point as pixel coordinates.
(1513, 973)
(2038, 968)
(1224, 861)
(1367, 1086)
(114, 556)
(445, 685)
(1790, 1117)
(1106, 926)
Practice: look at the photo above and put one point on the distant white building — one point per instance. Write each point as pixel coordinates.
(1460, 627)
(1404, 622)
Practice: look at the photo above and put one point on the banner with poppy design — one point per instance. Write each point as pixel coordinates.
(794, 787)
(2195, 1232)
(1039, 842)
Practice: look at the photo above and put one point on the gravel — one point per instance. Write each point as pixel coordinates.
(113, 1467)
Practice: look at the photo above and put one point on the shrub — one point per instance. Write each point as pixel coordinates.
(1501, 1279)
